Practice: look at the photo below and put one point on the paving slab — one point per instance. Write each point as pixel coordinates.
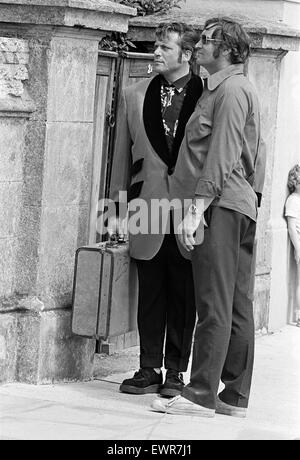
(96, 410)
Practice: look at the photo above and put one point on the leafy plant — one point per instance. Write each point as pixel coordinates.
(146, 7)
(116, 41)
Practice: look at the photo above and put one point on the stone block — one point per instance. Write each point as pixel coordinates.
(11, 148)
(7, 266)
(8, 347)
(63, 355)
(72, 79)
(32, 190)
(99, 22)
(13, 51)
(35, 136)
(261, 302)
(48, 352)
(10, 208)
(12, 77)
(38, 71)
(99, 15)
(68, 164)
(27, 248)
(58, 243)
(83, 226)
(33, 166)
(279, 290)
(28, 347)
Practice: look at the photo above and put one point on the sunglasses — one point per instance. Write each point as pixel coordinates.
(205, 40)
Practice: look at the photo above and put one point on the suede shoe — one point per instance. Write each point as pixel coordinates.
(226, 409)
(181, 406)
(144, 381)
(173, 385)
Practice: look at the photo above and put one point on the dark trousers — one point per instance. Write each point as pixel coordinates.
(166, 309)
(224, 335)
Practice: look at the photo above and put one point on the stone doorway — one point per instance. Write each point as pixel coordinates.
(114, 72)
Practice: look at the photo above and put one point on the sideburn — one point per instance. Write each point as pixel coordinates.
(217, 51)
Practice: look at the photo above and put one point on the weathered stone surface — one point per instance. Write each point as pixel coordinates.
(72, 76)
(279, 286)
(266, 30)
(37, 84)
(284, 269)
(63, 356)
(48, 351)
(121, 362)
(27, 247)
(32, 303)
(262, 302)
(13, 51)
(104, 15)
(68, 164)
(264, 72)
(11, 149)
(269, 9)
(7, 266)
(14, 57)
(8, 347)
(94, 5)
(33, 168)
(59, 240)
(277, 11)
(28, 347)
(10, 208)
(11, 79)
(47, 85)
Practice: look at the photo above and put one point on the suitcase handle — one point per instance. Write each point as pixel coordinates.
(116, 239)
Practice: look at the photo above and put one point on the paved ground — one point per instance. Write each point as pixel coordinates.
(96, 410)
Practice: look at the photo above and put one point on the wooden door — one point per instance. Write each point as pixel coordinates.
(102, 134)
(114, 72)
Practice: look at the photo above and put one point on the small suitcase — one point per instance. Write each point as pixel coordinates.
(104, 291)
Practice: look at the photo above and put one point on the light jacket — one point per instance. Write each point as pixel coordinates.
(142, 163)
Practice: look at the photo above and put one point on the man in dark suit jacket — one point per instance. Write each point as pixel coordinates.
(154, 113)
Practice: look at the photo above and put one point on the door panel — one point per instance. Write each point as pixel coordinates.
(104, 92)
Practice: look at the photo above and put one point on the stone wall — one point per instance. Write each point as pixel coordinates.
(48, 64)
(45, 147)
(15, 108)
(287, 154)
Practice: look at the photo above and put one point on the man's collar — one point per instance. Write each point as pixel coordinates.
(214, 80)
(178, 84)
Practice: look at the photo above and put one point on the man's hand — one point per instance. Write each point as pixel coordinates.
(117, 226)
(187, 228)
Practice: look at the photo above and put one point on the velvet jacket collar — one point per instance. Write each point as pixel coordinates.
(153, 120)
